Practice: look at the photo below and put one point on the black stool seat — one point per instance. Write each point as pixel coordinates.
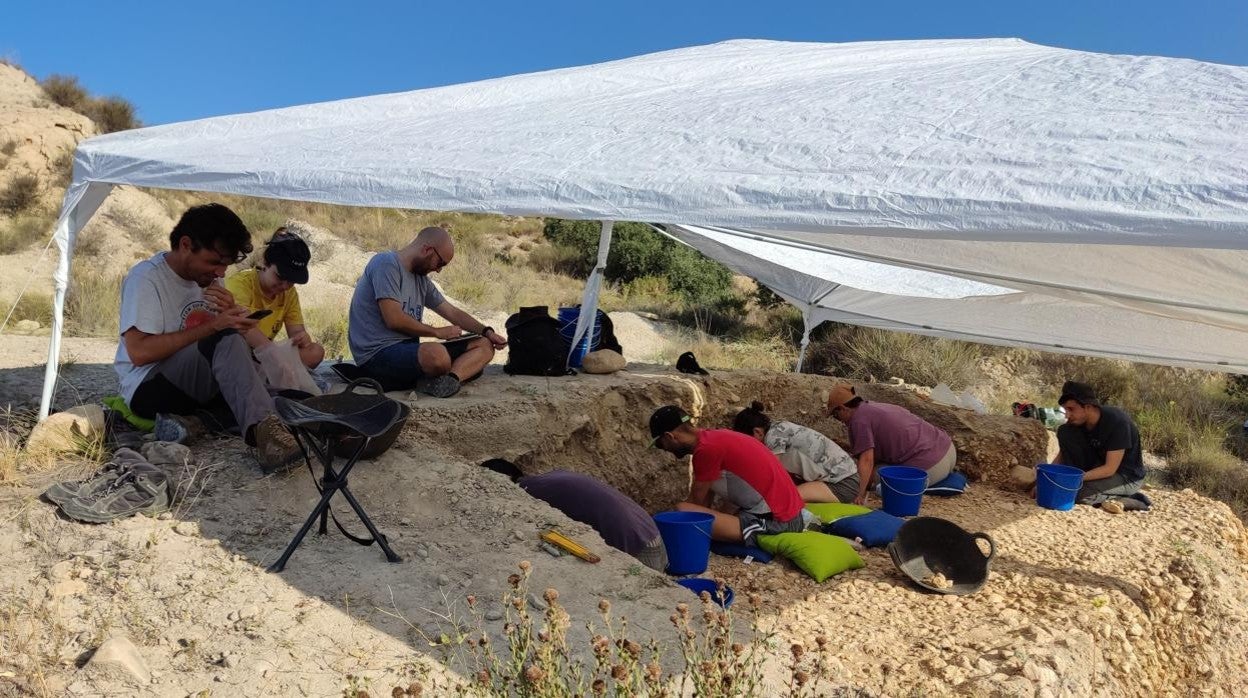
(349, 423)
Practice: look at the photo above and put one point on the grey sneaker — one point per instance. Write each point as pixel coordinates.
(440, 386)
(276, 448)
(176, 428)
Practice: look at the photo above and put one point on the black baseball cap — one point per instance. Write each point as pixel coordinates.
(665, 419)
(1081, 393)
(290, 254)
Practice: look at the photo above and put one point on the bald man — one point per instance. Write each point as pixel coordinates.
(386, 327)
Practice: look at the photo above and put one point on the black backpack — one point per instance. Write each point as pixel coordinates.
(534, 345)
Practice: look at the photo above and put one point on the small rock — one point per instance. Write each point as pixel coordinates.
(230, 661)
(120, 652)
(61, 570)
(519, 535)
(186, 528)
(422, 553)
(248, 612)
(603, 361)
(27, 325)
(443, 580)
(167, 453)
(405, 522)
(536, 604)
(494, 612)
(65, 432)
(68, 587)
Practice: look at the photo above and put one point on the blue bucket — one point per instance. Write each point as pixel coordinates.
(687, 537)
(1057, 485)
(698, 585)
(902, 489)
(567, 330)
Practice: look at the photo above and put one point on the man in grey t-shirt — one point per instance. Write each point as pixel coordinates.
(385, 326)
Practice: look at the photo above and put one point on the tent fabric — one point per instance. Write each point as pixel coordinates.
(995, 140)
(1011, 319)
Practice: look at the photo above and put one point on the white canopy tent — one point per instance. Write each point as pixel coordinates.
(1048, 177)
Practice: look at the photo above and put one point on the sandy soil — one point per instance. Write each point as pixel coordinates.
(1079, 603)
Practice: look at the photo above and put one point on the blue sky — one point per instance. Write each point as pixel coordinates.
(185, 60)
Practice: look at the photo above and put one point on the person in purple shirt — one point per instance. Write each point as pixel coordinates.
(890, 435)
(621, 522)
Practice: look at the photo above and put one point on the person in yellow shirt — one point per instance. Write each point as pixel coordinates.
(271, 286)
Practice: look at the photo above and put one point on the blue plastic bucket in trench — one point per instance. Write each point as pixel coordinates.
(902, 489)
(687, 537)
(567, 330)
(1057, 485)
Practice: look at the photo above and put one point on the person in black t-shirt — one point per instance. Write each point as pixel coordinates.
(1104, 443)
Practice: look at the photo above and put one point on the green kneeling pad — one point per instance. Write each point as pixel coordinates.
(832, 511)
(817, 554)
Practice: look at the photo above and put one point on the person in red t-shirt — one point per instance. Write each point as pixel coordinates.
(722, 453)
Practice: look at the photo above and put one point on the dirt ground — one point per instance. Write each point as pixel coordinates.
(1078, 603)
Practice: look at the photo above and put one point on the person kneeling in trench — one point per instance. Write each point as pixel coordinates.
(823, 470)
(883, 434)
(1104, 443)
(621, 522)
(752, 473)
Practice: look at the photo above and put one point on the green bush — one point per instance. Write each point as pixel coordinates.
(19, 194)
(637, 251)
(65, 91)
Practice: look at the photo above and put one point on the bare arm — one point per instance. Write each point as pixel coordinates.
(866, 465)
(144, 348)
(459, 318)
(1113, 459)
(392, 314)
(700, 493)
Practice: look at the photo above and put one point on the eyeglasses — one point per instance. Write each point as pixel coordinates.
(441, 261)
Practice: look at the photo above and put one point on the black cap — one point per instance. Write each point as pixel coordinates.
(1081, 393)
(665, 419)
(290, 255)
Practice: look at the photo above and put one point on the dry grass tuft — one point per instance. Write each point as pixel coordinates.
(20, 194)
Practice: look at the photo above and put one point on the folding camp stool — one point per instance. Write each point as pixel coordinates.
(318, 432)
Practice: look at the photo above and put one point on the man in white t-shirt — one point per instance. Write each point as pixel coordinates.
(181, 345)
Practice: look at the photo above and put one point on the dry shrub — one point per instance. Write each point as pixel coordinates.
(20, 194)
(66, 91)
(111, 114)
(31, 306)
(1207, 467)
(93, 301)
(328, 325)
(863, 352)
(22, 231)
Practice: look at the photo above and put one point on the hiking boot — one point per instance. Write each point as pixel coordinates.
(128, 485)
(440, 386)
(142, 490)
(276, 448)
(62, 492)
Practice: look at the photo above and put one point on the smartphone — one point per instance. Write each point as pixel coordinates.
(260, 314)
